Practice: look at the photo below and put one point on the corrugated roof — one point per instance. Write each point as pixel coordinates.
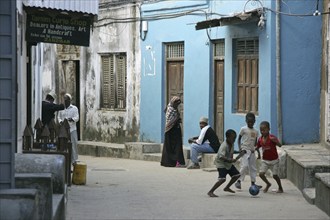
(84, 6)
(238, 18)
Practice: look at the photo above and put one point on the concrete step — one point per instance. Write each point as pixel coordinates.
(322, 191)
(58, 207)
(309, 195)
(207, 162)
(303, 161)
(137, 150)
(101, 149)
(152, 157)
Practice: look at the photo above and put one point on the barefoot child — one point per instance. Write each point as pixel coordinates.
(247, 140)
(224, 163)
(267, 142)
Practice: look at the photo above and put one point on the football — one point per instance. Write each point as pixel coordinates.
(254, 190)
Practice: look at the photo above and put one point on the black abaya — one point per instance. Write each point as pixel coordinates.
(172, 149)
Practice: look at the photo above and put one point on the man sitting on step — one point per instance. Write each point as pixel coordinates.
(207, 142)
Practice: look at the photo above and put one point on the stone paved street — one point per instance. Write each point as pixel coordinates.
(134, 189)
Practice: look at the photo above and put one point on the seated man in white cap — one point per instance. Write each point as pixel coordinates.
(71, 114)
(207, 142)
(49, 108)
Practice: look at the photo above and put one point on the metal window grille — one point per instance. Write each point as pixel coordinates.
(219, 49)
(175, 50)
(247, 47)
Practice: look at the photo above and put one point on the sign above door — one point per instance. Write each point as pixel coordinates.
(59, 27)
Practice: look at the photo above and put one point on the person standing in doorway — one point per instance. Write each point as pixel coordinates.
(49, 108)
(71, 114)
(172, 149)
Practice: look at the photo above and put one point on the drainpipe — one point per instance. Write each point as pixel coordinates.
(278, 72)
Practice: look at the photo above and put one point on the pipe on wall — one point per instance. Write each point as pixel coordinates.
(278, 71)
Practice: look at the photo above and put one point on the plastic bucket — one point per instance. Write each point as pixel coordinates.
(79, 173)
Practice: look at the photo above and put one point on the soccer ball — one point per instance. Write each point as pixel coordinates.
(254, 190)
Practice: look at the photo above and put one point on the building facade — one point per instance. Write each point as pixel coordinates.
(227, 58)
(8, 99)
(104, 78)
(325, 80)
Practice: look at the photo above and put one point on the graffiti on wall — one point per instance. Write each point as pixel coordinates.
(150, 64)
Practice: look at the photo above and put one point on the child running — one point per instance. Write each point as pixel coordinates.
(267, 142)
(224, 163)
(247, 141)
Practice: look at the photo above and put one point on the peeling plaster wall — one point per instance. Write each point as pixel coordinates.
(103, 124)
(98, 124)
(49, 70)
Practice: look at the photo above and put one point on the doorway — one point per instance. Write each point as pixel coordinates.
(174, 54)
(69, 79)
(218, 57)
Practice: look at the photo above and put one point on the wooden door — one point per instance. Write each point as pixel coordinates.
(175, 82)
(219, 98)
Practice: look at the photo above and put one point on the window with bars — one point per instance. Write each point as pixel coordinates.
(113, 81)
(175, 51)
(247, 62)
(219, 49)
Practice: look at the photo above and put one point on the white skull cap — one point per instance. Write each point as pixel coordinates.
(204, 119)
(68, 95)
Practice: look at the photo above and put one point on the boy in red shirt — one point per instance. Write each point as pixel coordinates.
(270, 159)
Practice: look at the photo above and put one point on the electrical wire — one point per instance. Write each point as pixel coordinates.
(195, 12)
(113, 20)
(296, 15)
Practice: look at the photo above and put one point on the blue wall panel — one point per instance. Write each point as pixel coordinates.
(300, 68)
(8, 89)
(301, 71)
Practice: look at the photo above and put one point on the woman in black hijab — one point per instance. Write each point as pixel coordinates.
(172, 155)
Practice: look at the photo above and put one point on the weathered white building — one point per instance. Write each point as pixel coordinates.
(37, 64)
(104, 78)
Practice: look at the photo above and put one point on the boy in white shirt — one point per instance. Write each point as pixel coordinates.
(247, 141)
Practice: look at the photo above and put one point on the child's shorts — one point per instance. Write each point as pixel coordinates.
(273, 165)
(223, 172)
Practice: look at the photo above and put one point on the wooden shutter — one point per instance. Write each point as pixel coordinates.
(112, 83)
(241, 86)
(105, 82)
(121, 67)
(247, 75)
(254, 85)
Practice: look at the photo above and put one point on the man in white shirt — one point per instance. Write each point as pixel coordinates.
(207, 142)
(72, 115)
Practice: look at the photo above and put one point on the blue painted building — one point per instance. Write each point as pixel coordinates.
(226, 58)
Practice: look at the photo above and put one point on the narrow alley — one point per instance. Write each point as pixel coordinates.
(134, 189)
